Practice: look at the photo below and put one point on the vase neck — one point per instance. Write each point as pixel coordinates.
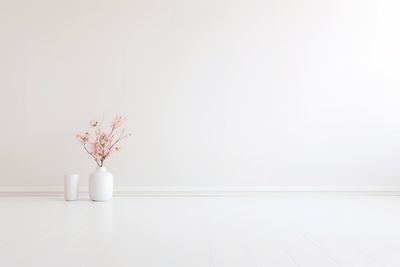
(101, 169)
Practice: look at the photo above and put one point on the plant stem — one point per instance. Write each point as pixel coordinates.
(84, 146)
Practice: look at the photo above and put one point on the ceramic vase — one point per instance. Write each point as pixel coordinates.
(71, 187)
(101, 184)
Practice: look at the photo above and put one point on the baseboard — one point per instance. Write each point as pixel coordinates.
(202, 190)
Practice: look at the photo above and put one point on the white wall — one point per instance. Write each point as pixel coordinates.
(217, 92)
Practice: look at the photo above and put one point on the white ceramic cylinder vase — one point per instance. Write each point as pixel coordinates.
(71, 187)
(101, 184)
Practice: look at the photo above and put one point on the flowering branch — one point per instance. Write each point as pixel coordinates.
(102, 145)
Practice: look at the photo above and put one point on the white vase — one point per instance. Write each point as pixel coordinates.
(101, 185)
(71, 187)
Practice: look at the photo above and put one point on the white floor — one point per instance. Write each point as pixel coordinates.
(273, 230)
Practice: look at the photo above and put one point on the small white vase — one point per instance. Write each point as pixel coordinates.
(71, 187)
(101, 184)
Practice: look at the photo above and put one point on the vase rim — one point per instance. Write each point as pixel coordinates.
(101, 169)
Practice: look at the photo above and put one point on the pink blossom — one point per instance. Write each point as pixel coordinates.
(83, 138)
(117, 122)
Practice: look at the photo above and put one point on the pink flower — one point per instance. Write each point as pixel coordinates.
(117, 121)
(83, 138)
(103, 138)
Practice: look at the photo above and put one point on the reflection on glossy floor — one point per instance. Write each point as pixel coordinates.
(273, 230)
